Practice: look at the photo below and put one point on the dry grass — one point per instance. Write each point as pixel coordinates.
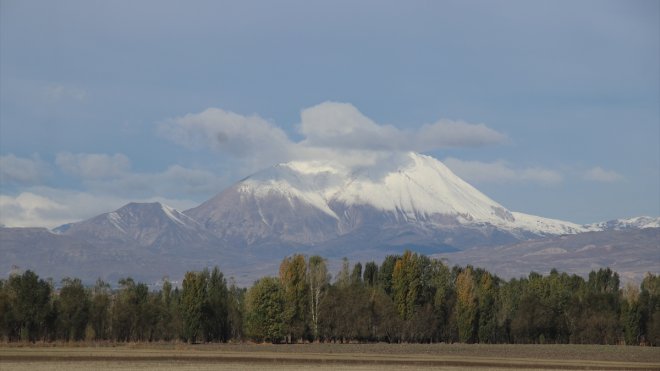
(146, 357)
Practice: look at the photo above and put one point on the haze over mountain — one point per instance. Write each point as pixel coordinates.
(405, 200)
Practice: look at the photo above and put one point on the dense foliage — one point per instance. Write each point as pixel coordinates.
(408, 298)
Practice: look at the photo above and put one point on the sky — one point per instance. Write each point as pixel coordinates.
(548, 107)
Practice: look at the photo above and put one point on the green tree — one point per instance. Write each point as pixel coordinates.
(631, 316)
(487, 309)
(649, 303)
(343, 277)
(74, 310)
(193, 300)
(370, 275)
(264, 306)
(236, 309)
(216, 308)
(406, 284)
(99, 313)
(29, 298)
(444, 299)
(293, 278)
(386, 271)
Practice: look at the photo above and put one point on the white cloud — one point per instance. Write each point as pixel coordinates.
(598, 174)
(49, 207)
(330, 130)
(501, 172)
(22, 170)
(93, 165)
(341, 125)
(250, 138)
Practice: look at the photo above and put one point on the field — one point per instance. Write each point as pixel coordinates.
(147, 357)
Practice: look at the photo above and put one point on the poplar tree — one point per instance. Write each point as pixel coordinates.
(466, 306)
(317, 279)
(293, 278)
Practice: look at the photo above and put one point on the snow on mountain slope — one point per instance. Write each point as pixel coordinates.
(640, 222)
(418, 185)
(408, 188)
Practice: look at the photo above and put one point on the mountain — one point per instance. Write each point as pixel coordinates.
(640, 222)
(403, 199)
(145, 225)
(630, 252)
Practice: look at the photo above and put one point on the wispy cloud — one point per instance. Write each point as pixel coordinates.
(93, 165)
(111, 174)
(502, 172)
(598, 174)
(58, 92)
(22, 170)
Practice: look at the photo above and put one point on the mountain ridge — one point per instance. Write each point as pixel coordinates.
(402, 201)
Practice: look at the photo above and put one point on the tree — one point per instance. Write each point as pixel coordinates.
(487, 310)
(631, 317)
(386, 271)
(406, 284)
(29, 299)
(356, 274)
(466, 306)
(99, 313)
(343, 277)
(215, 321)
(370, 276)
(236, 310)
(74, 308)
(444, 299)
(293, 278)
(649, 302)
(264, 305)
(193, 303)
(317, 279)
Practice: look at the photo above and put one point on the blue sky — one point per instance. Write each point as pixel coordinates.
(549, 107)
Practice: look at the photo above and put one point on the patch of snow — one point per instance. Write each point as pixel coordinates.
(640, 222)
(115, 219)
(176, 216)
(546, 225)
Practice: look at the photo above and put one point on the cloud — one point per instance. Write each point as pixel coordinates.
(58, 92)
(111, 174)
(598, 174)
(250, 138)
(22, 170)
(341, 125)
(49, 207)
(175, 180)
(501, 172)
(329, 130)
(93, 165)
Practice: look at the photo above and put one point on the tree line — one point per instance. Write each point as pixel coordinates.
(407, 298)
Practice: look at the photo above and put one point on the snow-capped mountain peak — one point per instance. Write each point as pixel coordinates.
(404, 188)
